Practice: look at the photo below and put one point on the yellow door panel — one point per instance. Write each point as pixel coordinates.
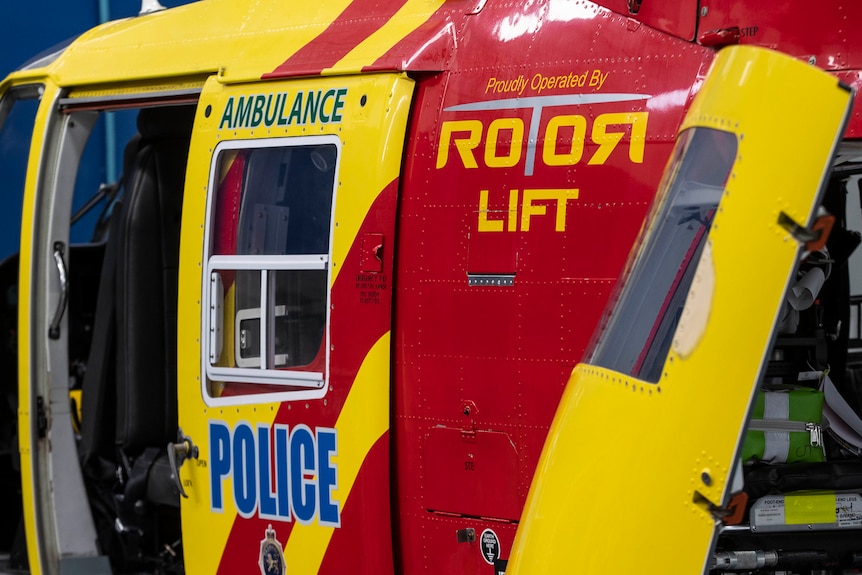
(639, 461)
(290, 184)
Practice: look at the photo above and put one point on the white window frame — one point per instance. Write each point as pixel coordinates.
(304, 384)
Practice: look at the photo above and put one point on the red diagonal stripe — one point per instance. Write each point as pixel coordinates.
(358, 21)
(365, 325)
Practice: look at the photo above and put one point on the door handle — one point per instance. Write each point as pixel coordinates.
(177, 454)
(59, 252)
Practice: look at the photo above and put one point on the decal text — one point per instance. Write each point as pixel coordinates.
(505, 138)
(539, 82)
(276, 472)
(532, 203)
(283, 109)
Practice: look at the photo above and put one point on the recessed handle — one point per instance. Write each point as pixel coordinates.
(59, 253)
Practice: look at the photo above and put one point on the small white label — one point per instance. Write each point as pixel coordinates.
(769, 512)
(848, 508)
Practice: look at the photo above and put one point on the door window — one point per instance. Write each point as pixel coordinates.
(267, 276)
(17, 112)
(639, 331)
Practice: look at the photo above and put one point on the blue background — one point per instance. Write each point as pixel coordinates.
(27, 28)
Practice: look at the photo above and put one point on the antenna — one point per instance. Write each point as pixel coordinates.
(148, 6)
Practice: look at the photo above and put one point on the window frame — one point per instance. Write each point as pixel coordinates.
(298, 384)
(659, 270)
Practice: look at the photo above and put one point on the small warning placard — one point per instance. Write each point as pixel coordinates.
(489, 544)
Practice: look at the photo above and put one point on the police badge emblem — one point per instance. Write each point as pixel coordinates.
(271, 555)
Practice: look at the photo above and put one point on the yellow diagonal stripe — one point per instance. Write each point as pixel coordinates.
(363, 420)
(412, 14)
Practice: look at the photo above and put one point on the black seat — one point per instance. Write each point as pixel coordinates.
(129, 391)
(146, 282)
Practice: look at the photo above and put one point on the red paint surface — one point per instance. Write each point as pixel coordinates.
(676, 18)
(355, 328)
(509, 350)
(826, 31)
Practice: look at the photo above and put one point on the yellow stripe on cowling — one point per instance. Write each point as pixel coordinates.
(363, 420)
(412, 14)
(239, 40)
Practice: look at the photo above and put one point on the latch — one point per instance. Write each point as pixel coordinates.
(730, 515)
(371, 258)
(467, 535)
(469, 409)
(814, 237)
(720, 37)
(177, 454)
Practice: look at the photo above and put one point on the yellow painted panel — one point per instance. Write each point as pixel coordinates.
(239, 40)
(25, 393)
(363, 420)
(628, 462)
(372, 133)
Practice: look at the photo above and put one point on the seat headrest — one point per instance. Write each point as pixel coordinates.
(166, 122)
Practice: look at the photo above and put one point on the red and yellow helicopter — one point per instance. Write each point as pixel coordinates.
(329, 311)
